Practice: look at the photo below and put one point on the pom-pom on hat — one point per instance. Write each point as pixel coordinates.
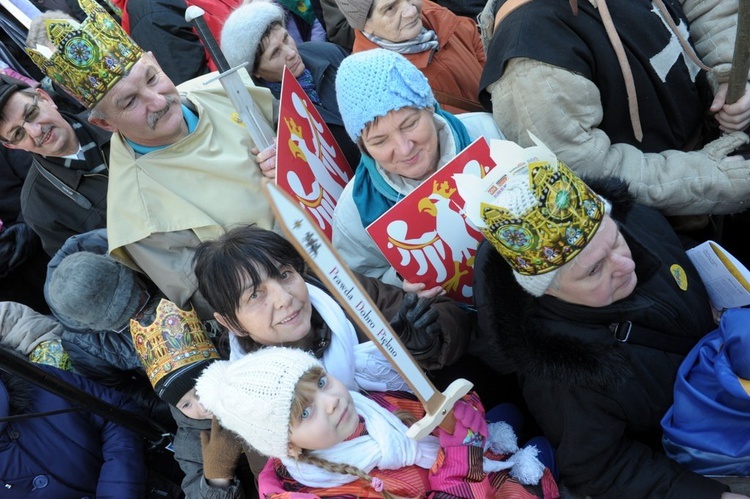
(253, 396)
(534, 210)
(93, 291)
(355, 11)
(244, 28)
(375, 82)
(173, 349)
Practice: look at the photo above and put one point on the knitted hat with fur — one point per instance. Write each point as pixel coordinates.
(253, 396)
(244, 28)
(94, 291)
(375, 82)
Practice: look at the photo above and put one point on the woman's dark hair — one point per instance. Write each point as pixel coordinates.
(227, 266)
(263, 45)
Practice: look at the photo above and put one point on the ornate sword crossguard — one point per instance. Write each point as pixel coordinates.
(261, 133)
(313, 245)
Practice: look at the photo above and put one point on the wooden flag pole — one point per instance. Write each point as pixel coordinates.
(741, 58)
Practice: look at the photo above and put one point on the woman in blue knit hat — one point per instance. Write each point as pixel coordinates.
(390, 111)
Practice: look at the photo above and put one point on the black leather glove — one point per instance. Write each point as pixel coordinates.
(417, 325)
(16, 245)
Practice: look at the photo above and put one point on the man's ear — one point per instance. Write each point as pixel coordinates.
(102, 123)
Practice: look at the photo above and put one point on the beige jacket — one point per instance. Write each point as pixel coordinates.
(164, 203)
(564, 110)
(22, 328)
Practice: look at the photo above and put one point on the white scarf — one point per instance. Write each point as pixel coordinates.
(386, 446)
(371, 370)
(357, 365)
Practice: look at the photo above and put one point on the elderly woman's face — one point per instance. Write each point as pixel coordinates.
(279, 50)
(395, 20)
(602, 273)
(404, 142)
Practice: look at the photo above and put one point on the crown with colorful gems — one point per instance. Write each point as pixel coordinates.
(534, 210)
(175, 339)
(90, 57)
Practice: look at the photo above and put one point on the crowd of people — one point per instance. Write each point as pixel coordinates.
(160, 337)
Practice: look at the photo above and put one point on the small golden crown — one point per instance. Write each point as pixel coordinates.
(175, 339)
(91, 57)
(542, 218)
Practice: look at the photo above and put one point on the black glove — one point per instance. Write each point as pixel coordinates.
(417, 325)
(16, 245)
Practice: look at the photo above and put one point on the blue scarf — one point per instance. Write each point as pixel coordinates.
(305, 80)
(372, 194)
(192, 122)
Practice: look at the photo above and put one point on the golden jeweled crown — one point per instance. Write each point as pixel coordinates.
(534, 210)
(562, 217)
(91, 57)
(175, 339)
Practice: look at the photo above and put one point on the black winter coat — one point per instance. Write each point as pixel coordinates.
(598, 400)
(53, 213)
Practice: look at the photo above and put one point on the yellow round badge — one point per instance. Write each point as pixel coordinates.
(679, 276)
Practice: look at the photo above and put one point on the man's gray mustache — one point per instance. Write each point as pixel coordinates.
(154, 117)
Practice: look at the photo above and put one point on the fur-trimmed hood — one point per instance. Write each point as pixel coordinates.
(512, 332)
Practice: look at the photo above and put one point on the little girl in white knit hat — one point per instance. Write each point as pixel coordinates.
(329, 441)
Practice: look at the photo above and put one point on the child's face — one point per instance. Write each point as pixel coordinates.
(278, 311)
(191, 407)
(328, 420)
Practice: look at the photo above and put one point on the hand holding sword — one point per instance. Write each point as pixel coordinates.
(732, 101)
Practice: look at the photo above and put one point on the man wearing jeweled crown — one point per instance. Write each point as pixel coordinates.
(181, 166)
(594, 303)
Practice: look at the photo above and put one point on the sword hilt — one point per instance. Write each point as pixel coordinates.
(194, 14)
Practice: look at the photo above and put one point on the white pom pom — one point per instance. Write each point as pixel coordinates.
(527, 469)
(501, 438)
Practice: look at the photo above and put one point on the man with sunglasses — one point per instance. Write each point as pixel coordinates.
(65, 192)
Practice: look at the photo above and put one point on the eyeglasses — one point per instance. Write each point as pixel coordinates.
(32, 114)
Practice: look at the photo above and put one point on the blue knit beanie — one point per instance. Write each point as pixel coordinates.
(372, 83)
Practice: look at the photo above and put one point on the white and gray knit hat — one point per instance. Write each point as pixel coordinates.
(253, 396)
(243, 30)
